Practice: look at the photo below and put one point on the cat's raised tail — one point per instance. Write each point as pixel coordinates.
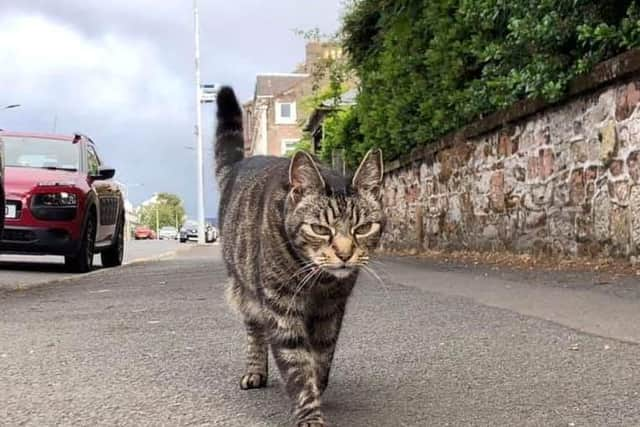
(229, 144)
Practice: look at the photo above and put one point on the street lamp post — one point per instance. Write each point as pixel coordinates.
(200, 166)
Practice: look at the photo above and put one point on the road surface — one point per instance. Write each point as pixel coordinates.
(153, 344)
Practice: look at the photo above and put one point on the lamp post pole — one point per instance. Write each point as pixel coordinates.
(198, 131)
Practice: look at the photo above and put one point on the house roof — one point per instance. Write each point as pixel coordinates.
(347, 99)
(276, 83)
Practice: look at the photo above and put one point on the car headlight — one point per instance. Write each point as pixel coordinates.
(57, 199)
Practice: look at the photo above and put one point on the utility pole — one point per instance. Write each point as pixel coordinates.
(200, 166)
(157, 223)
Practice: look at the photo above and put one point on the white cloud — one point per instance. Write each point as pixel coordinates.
(56, 65)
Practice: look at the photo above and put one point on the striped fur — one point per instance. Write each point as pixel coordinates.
(294, 236)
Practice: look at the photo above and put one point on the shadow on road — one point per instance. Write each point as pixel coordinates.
(33, 267)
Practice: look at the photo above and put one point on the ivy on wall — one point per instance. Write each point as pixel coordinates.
(428, 67)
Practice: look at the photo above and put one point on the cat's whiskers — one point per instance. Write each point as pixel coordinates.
(299, 288)
(384, 267)
(375, 275)
(306, 268)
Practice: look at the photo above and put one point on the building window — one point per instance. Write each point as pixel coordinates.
(285, 113)
(288, 145)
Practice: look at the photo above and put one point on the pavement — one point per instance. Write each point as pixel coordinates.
(19, 271)
(153, 344)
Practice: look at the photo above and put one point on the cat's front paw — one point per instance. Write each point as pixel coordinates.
(252, 380)
(311, 424)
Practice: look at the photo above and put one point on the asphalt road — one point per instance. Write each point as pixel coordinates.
(19, 271)
(154, 344)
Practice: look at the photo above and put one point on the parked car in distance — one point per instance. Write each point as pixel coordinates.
(168, 233)
(189, 231)
(142, 232)
(61, 200)
(211, 233)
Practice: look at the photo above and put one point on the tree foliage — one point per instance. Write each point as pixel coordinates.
(168, 209)
(428, 67)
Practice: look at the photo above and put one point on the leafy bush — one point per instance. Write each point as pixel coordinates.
(428, 67)
(342, 131)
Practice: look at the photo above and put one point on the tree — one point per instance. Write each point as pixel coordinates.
(167, 210)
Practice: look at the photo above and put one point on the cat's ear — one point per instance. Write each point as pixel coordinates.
(304, 175)
(368, 176)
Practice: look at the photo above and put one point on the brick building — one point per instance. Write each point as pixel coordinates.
(273, 118)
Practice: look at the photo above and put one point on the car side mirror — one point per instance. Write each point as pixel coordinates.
(104, 173)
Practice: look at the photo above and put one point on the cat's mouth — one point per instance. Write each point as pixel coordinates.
(340, 271)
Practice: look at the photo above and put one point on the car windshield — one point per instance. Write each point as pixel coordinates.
(42, 153)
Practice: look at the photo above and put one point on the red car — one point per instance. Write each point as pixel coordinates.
(143, 233)
(60, 200)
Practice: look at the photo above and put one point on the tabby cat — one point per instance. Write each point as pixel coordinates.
(294, 236)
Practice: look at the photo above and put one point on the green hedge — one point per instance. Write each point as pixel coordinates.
(428, 67)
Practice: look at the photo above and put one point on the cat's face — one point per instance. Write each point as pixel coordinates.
(335, 225)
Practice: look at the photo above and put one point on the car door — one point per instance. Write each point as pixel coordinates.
(108, 195)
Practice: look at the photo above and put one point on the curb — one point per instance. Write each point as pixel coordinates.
(63, 279)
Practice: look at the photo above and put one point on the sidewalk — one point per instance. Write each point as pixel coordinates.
(598, 304)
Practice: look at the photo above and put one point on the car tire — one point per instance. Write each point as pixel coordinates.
(82, 261)
(113, 256)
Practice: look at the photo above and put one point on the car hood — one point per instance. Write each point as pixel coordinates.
(19, 181)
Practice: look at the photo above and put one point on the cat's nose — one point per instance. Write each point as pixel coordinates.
(343, 247)
(344, 256)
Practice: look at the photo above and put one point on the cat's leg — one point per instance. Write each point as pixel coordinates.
(296, 364)
(247, 304)
(257, 358)
(324, 331)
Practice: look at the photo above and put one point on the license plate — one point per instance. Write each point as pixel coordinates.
(10, 211)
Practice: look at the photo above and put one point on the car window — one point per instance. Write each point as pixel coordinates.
(29, 152)
(93, 161)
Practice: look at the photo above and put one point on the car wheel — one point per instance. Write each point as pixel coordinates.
(82, 262)
(113, 256)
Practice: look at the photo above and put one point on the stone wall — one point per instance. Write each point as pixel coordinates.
(563, 180)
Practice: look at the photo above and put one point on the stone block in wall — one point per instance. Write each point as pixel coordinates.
(620, 230)
(633, 165)
(591, 174)
(602, 215)
(579, 150)
(602, 108)
(496, 193)
(619, 192)
(608, 141)
(561, 225)
(616, 167)
(634, 210)
(628, 98)
(506, 147)
(577, 192)
(562, 189)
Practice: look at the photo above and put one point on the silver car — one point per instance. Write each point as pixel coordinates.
(168, 233)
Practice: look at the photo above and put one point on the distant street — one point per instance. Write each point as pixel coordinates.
(18, 271)
(154, 344)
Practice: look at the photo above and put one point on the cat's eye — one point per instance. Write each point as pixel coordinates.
(320, 230)
(366, 229)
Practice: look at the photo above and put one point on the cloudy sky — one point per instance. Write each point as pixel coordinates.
(122, 72)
